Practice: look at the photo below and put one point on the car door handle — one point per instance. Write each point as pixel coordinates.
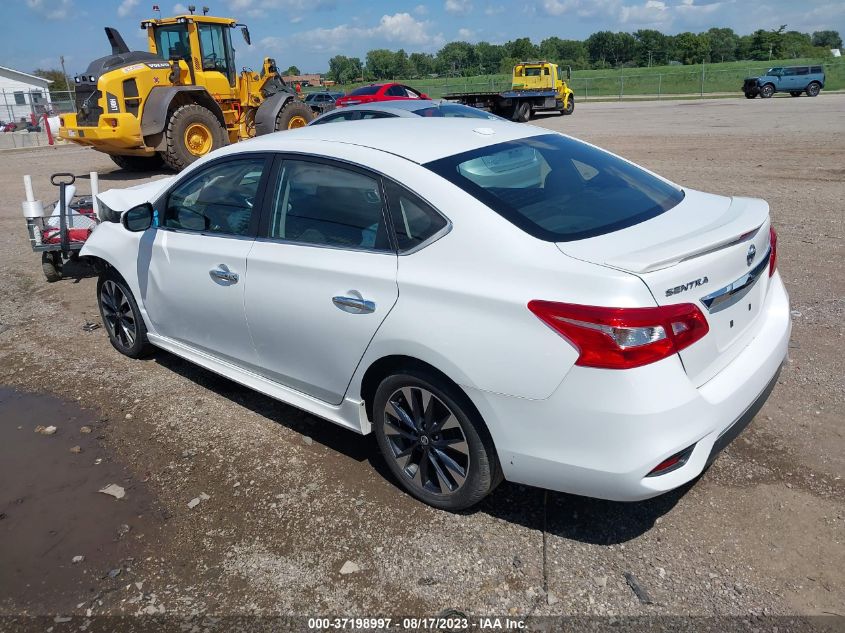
(354, 305)
(224, 275)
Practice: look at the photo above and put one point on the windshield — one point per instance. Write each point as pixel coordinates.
(365, 90)
(454, 110)
(559, 189)
(774, 71)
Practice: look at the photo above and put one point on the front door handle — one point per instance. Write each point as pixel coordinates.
(224, 275)
(354, 305)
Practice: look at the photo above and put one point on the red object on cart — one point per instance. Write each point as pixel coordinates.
(54, 236)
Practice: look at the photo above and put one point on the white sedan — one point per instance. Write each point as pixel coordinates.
(491, 300)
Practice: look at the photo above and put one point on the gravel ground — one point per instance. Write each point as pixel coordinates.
(284, 501)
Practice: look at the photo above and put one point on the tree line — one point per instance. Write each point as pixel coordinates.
(604, 49)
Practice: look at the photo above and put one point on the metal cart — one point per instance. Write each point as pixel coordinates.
(59, 235)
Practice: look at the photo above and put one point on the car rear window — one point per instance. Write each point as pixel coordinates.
(454, 110)
(559, 189)
(365, 90)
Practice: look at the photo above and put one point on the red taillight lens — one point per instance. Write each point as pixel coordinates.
(773, 256)
(622, 338)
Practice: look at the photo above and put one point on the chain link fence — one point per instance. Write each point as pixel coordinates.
(627, 83)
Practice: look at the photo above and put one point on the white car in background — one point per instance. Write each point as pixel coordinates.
(492, 300)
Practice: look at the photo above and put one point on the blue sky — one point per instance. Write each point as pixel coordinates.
(308, 32)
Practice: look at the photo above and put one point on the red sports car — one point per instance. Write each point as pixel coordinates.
(379, 92)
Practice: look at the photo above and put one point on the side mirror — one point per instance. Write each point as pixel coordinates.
(568, 72)
(245, 33)
(138, 219)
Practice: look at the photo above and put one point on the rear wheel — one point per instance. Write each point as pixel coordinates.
(814, 89)
(570, 105)
(137, 163)
(192, 132)
(522, 112)
(51, 265)
(433, 441)
(767, 91)
(121, 316)
(293, 115)
(795, 93)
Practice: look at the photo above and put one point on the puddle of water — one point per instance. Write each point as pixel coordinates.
(50, 510)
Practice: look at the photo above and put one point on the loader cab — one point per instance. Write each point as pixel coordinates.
(203, 43)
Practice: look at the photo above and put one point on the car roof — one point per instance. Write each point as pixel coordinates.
(418, 139)
(400, 107)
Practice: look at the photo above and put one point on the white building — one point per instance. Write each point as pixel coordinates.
(22, 94)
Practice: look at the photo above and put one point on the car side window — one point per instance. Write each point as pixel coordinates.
(328, 205)
(396, 91)
(376, 115)
(218, 199)
(788, 72)
(338, 117)
(803, 71)
(414, 221)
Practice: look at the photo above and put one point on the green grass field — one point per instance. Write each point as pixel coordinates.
(656, 81)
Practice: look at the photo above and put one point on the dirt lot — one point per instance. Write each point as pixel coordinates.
(291, 499)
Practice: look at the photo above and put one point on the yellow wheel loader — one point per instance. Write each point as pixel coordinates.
(180, 100)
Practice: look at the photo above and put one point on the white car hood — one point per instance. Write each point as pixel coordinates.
(120, 200)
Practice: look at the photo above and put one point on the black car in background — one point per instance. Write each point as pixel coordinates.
(322, 102)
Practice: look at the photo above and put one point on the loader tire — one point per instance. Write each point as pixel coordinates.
(192, 132)
(294, 114)
(137, 163)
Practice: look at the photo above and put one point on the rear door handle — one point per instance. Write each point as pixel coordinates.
(224, 275)
(354, 305)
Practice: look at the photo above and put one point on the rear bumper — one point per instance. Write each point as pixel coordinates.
(124, 135)
(603, 431)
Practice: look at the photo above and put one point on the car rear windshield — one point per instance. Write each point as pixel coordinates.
(559, 189)
(365, 90)
(454, 110)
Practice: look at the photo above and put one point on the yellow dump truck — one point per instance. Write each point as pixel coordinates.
(535, 87)
(180, 99)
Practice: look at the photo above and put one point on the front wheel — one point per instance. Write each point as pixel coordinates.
(295, 114)
(433, 441)
(750, 95)
(814, 89)
(121, 316)
(569, 108)
(767, 91)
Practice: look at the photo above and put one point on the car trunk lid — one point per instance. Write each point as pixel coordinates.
(709, 250)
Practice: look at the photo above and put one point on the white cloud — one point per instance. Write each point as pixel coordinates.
(51, 9)
(466, 35)
(125, 7)
(179, 9)
(400, 29)
(494, 9)
(421, 9)
(458, 7)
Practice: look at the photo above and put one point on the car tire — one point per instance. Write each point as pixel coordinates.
(794, 93)
(121, 316)
(766, 91)
(570, 105)
(51, 265)
(138, 163)
(814, 89)
(750, 95)
(192, 131)
(436, 445)
(293, 115)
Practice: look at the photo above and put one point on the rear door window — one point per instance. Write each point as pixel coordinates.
(559, 189)
(328, 205)
(414, 220)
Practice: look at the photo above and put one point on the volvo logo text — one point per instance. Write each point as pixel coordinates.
(749, 257)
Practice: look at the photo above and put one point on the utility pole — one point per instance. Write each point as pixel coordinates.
(64, 72)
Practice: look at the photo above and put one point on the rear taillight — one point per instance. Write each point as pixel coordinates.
(622, 338)
(773, 245)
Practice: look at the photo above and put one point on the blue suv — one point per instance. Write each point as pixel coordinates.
(791, 79)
